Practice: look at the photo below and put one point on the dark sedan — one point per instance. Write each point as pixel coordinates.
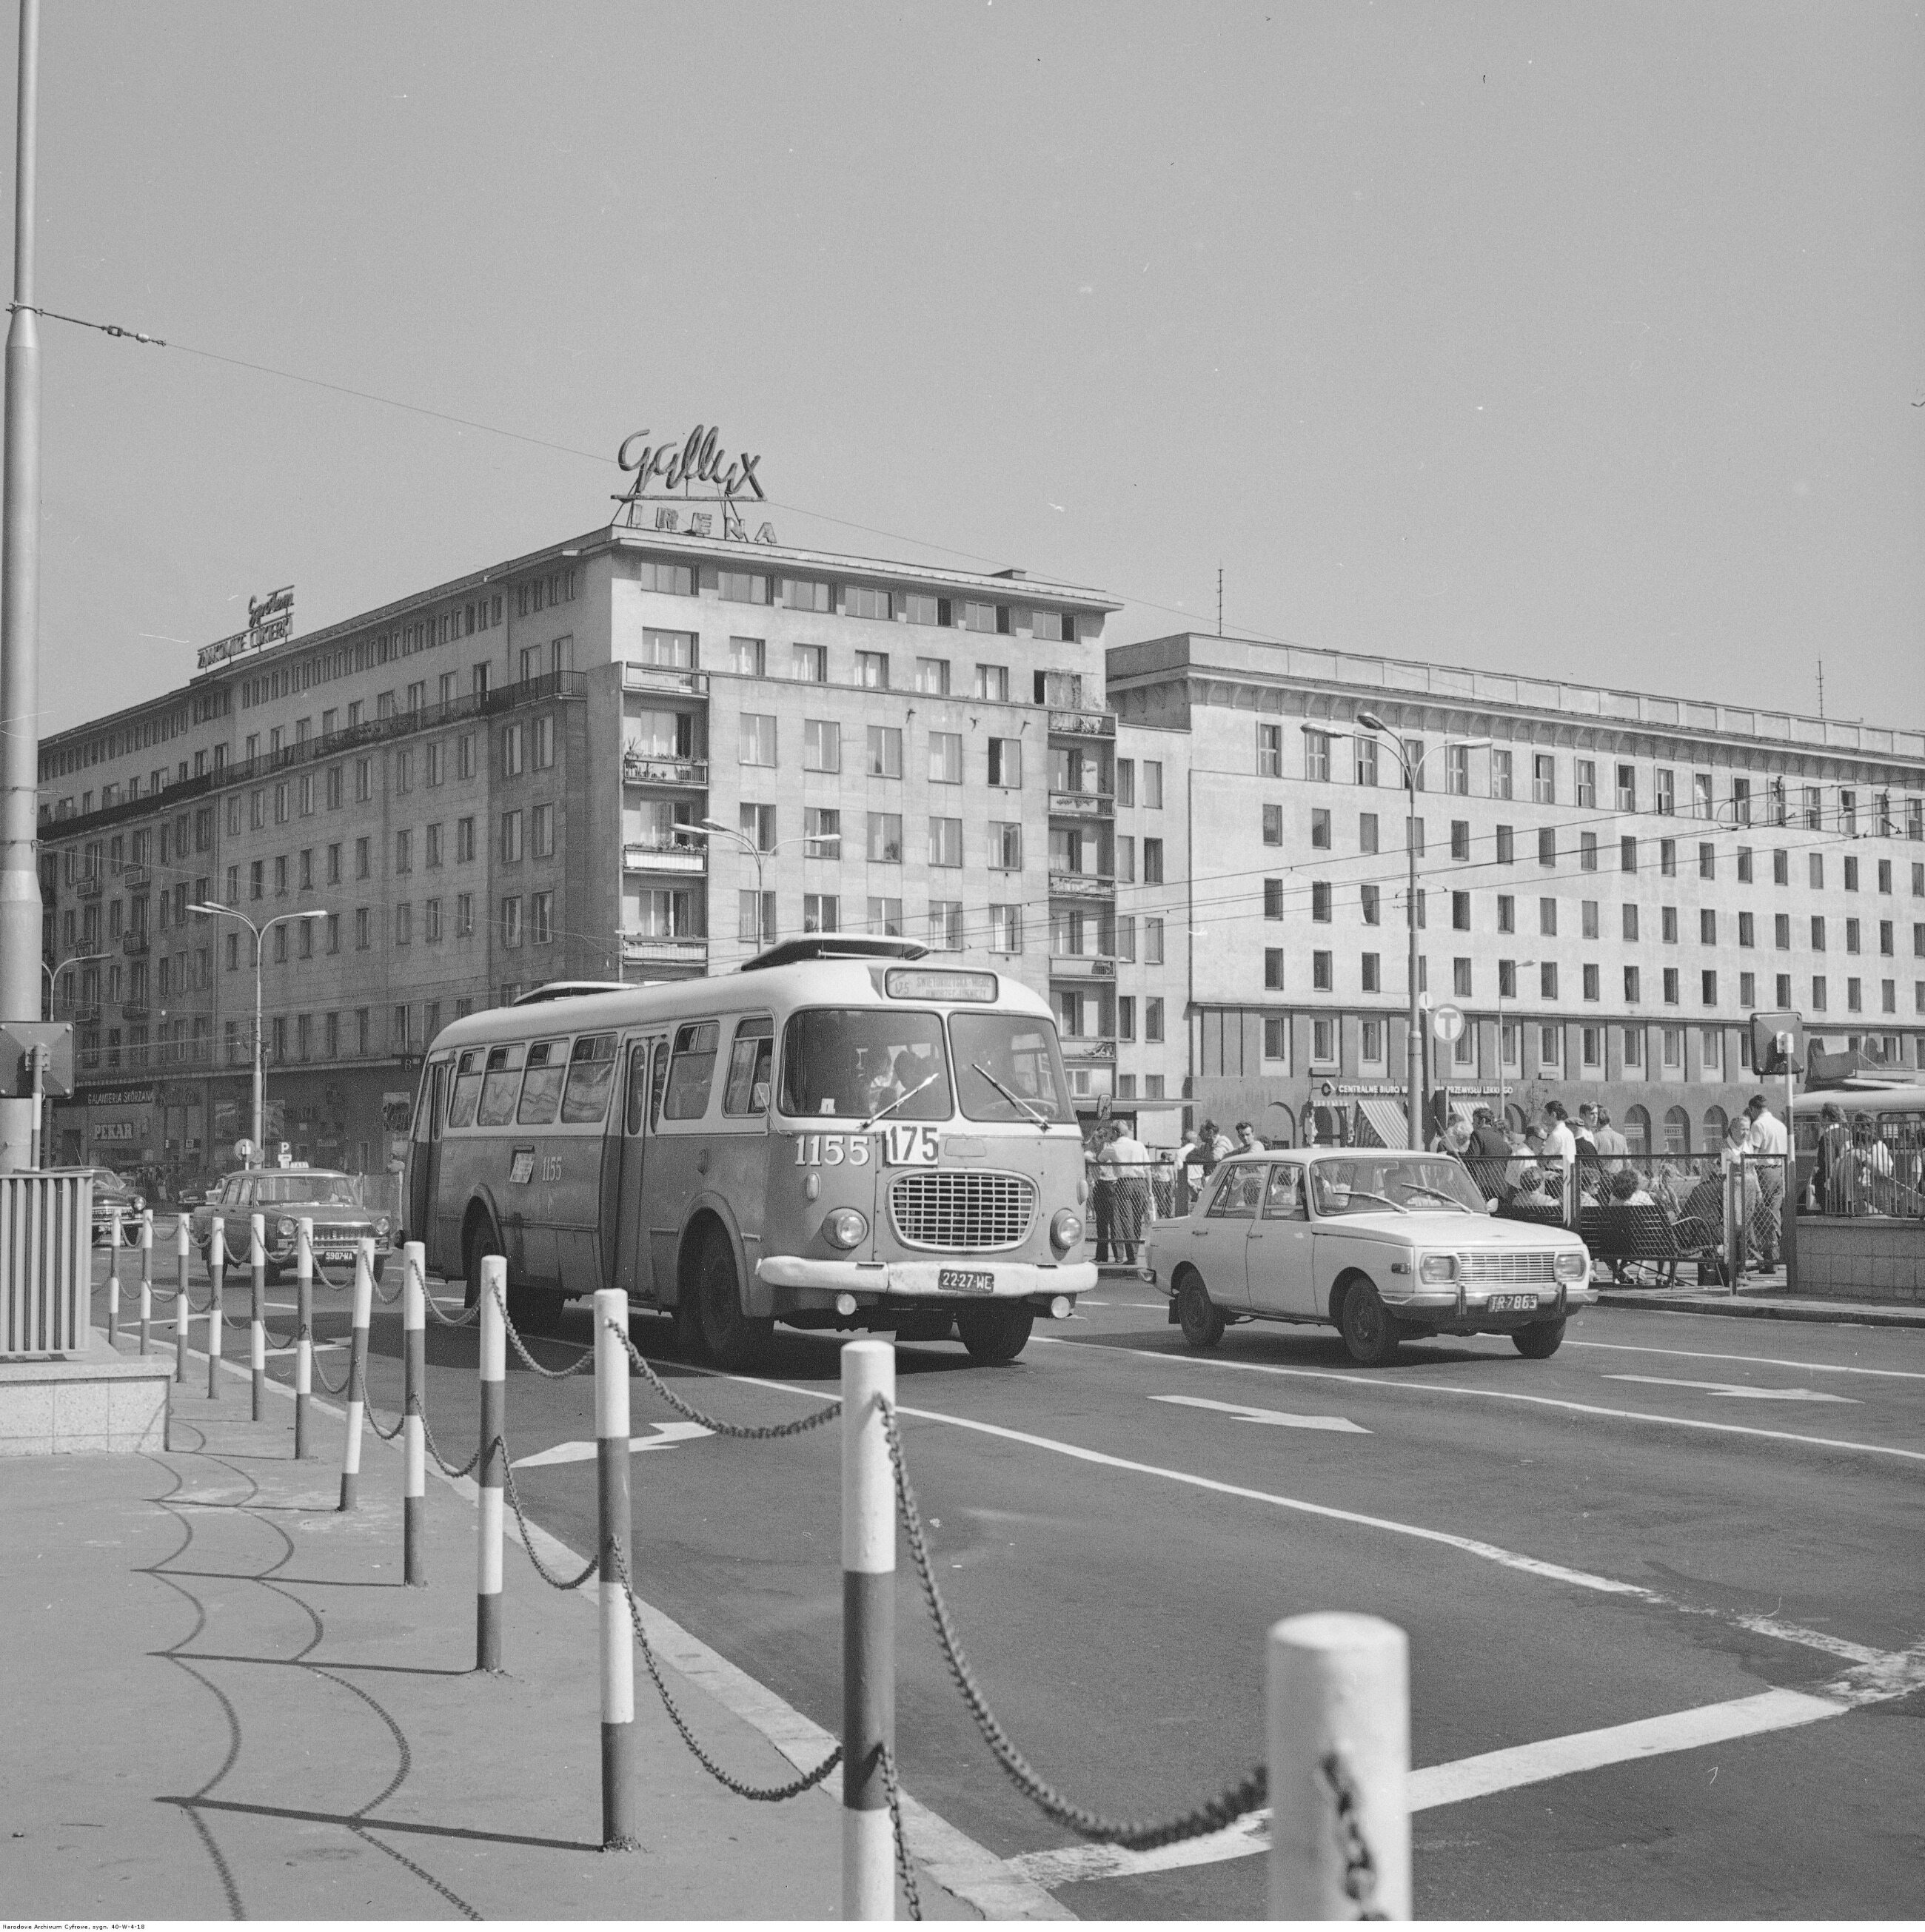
(283, 1197)
(112, 1191)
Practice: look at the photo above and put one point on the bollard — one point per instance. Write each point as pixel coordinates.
(217, 1275)
(183, 1302)
(414, 1460)
(868, 1631)
(493, 1468)
(1340, 1763)
(113, 1279)
(357, 1372)
(304, 1334)
(611, 1450)
(257, 1334)
(146, 1278)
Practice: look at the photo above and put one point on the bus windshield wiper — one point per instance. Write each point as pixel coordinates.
(901, 1099)
(1016, 1100)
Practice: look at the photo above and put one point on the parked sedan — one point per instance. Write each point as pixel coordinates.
(112, 1191)
(1383, 1246)
(281, 1196)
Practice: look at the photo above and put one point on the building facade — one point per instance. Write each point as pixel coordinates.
(1608, 884)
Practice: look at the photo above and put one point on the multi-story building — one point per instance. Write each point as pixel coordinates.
(636, 754)
(1608, 884)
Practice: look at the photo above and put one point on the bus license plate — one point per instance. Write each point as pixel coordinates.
(1508, 1304)
(965, 1281)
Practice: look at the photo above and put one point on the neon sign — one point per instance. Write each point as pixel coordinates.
(698, 461)
(270, 621)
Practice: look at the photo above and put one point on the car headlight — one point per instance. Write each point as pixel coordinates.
(285, 1227)
(1437, 1267)
(381, 1227)
(845, 1227)
(1066, 1231)
(1572, 1267)
(139, 1203)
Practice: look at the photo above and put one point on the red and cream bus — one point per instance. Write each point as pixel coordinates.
(841, 1135)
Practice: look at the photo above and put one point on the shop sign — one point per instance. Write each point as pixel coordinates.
(115, 1096)
(1395, 1089)
(675, 469)
(111, 1130)
(270, 621)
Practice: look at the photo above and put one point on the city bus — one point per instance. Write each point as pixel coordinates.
(840, 1136)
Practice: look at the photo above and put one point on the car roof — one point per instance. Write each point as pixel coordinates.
(285, 1173)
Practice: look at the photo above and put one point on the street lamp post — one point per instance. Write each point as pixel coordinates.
(53, 973)
(714, 828)
(261, 932)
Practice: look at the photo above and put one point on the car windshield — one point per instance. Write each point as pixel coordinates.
(284, 1190)
(1009, 1067)
(853, 1064)
(1397, 1183)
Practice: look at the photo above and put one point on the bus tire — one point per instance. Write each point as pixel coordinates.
(731, 1338)
(993, 1333)
(483, 1243)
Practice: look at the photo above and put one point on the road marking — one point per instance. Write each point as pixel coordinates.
(1276, 1417)
(1760, 1361)
(666, 1434)
(1741, 1389)
(1497, 1395)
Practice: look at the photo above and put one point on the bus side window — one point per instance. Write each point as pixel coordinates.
(499, 1085)
(748, 1089)
(467, 1088)
(659, 1081)
(637, 1110)
(692, 1072)
(430, 1125)
(541, 1089)
(591, 1072)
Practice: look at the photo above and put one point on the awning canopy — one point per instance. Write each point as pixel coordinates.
(1382, 1123)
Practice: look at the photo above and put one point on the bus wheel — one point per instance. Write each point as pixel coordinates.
(730, 1338)
(483, 1244)
(993, 1333)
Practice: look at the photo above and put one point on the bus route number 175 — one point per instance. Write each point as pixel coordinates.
(901, 1146)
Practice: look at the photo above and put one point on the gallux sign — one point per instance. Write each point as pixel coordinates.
(698, 461)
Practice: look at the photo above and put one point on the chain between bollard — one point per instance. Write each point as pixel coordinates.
(771, 1431)
(374, 1421)
(1359, 1866)
(586, 1361)
(328, 1388)
(892, 1785)
(542, 1569)
(757, 1794)
(1236, 1801)
(441, 1462)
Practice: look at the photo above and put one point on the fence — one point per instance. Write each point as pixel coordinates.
(1864, 1169)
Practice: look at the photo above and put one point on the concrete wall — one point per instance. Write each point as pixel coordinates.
(1866, 1259)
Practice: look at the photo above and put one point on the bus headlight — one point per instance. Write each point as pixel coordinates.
(845, 1227)
(1066, 1231)
(1572, 1267)
(284, 1227)
(1437, 1267)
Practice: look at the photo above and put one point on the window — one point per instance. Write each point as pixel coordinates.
(945, 925)
(1547, 918)
(822, 912)
(1152, 862)
(1005, 762)
(1587, 782)
(1707, 987)
(932, 677)
(362, 925)
(1707, 861)
(872, 669)
(885, 837)
(992, 680)
(1546, 845)
(1543, 778)
(511, 829)
(757, 742)
(404, 924)
(1668, 857)
(1588, 851)
(1320, 829)
(1507, 917)
(511, 920)
(885, 918)
(1005, 849)
(1126, 860)
(1671, 992)
(1372, 899)
(1273, 969)
(1500, 774)
(945, 758)
(1005, 929)
(1273, 817)
(1700, 795)
(822, 828)
(1589, 913)
(1152, 785)
(1627, 855)
(885, 751)
(541, 918)
(1460, 978)
(1506, 846)
(1633, 990)
(1460, 912)
(1550, 1047)
(1276, 1037)
(1818, 932)
(1547, 979)
(1371, 972)
(1126, 782)
(809, 664)
(1320, 975)
(1366, 757)
(1270, 751)
(1817, 993)
(1153, 942)
(1366, 831)
(1592, 982)
(803, 593)
(822, 745)
(945, 841)
(1320, 900)
(1460, 838)
(1316, 754)
(1457, 770)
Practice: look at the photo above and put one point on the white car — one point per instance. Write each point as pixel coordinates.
(1380, 1244)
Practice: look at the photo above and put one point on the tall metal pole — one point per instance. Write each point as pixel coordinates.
(19, 612)
(1413, 1040)
(260, 1143)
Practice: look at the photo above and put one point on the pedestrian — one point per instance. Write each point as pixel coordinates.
(1212, 1147)
(1611, 1145)
(1872, 1168)
(1585, 1132)
(1769, 1147)
(1488, 1155)
(1129, 1211)
(1247, 1141)
(1102, 1192)
(1832, 1169)
(1560, 1144)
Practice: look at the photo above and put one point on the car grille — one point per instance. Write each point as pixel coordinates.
(962, 1213)
(1506, 1266)
(327, 1234)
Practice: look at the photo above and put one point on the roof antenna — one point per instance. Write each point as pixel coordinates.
(1820, 687)
(1219, 600)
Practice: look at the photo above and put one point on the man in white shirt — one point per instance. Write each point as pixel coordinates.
(1770, 1141)
(1560, 1144)
(1130, 1211)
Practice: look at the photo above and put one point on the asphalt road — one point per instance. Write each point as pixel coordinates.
(1675, 1515)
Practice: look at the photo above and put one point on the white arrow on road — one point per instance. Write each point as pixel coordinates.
(666, 1434)
(1240, 1411)
(1740, 1389)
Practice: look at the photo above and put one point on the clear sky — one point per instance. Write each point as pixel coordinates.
(1584, 339)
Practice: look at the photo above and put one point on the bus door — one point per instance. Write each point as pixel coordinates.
(424, 1172)
(623, 1216)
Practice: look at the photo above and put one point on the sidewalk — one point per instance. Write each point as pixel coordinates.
(1764, 1303)
(224, 1702)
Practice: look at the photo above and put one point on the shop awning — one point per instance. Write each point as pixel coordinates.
(1382, 1123)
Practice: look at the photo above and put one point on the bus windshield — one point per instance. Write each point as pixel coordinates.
(1010, 1067)
(854, 1063)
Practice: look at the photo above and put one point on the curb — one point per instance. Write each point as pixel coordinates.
(1856, 1314)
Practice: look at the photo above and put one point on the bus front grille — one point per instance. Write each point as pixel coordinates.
(959, 1213)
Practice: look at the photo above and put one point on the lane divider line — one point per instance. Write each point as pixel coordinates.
(1760, 1361)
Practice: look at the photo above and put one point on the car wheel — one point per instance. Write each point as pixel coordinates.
(484, 1244)
(730, 1338)
(1370, 1332)
(995, 1332)
(1199, 1318)
(1539, 1340)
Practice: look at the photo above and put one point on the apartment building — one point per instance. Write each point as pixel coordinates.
(1608, 883)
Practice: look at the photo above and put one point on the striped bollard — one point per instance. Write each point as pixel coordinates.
(493, 1469)
(113, 1279)
(304, 1335)
(257, 1331)
(183, 1301)
(1340, 1766)
(868, 1631)
(146, 1279)
(216, 1276)
(414, 1456)
(357, 1372)
(611, 1449)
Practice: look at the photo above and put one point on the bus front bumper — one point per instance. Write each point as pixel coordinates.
(817, 1283)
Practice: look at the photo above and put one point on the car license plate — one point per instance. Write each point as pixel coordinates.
(1506, 1304)
(339, 1254)
(965, 1281)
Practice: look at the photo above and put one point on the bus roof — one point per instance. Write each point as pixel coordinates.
(831, 982)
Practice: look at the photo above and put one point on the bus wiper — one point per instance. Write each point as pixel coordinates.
(1016, 1100)
(901, 1099)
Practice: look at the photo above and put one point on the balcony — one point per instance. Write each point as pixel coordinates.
(1081, 805)
(1082, 725)
(136, 878)
(134, 944)
(646, 856)
(1081, 885)
(1088, 1050)
(648, 768)
(642, 949)
(88, 887)
(1082, 966)
(84, 1016)
(664, 677)
(136, 1009)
